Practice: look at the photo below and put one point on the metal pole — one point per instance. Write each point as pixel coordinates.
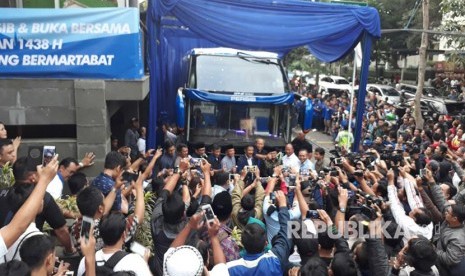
(188, 132)
(352, 100)
(288, 128)
(229, 117)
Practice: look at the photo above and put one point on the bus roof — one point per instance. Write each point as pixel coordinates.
(232, 52)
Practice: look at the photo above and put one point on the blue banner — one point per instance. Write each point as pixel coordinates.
(100, 43)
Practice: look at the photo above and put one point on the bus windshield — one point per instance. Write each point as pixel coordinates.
(238, 74)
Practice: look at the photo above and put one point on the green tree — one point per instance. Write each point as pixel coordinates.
(394, 14)
(454, 21)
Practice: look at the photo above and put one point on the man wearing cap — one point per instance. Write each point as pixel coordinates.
(131, 137)
(222, 207)
(215, 159)
(268, 165)
(300, 143)
(199, 150)
(229, 160)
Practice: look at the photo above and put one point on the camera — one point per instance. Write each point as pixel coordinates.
(337, 161)
(365, 210)
(331, 171)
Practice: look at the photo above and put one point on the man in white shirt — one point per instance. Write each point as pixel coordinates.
(223, 183)
(112, 231)
(305, 165)
(68, 167)
(290, 160)
(418, 222)
(229, 160)
(141, 140)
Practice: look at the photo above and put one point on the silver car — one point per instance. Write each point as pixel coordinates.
(385, 92)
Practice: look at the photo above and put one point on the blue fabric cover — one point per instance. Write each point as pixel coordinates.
(330, 31)
(199, 95)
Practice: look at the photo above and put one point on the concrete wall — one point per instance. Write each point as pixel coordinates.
(83, 103)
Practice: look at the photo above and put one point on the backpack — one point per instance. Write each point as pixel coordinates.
(107, 268)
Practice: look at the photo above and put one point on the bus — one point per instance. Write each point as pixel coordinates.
(233, 96)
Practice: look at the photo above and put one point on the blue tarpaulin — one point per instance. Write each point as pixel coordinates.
(330, 31)
(204, 96)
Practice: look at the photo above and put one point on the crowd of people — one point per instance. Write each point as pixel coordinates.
(395, 207)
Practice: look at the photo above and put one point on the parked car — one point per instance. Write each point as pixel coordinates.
(386, 92)
(411, 90)
(431, 108)
(334, 85)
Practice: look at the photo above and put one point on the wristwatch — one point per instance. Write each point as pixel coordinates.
(342, 210)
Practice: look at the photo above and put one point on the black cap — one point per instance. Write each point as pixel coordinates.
(222, 205)
(199, 145)
(228, 147)
(134, 119)
(173, 209)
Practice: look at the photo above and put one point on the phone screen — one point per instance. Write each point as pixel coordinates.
(209, 215)
(48, 153)
(85, 227)
(138, 248)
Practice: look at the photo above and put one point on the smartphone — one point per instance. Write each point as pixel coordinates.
(195, 162)
(231, 178)
(273, 198)
(138, 248)
(292, 178)
(69, 273)
(129, 177)
(250, 169)
(34, 157)
(57, 264)
(209, 215)
(358, 173)
(47, 154)
(422, 173)
(313, 214)
(87, 223)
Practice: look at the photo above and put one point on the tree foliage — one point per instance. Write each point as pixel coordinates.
(454, 21)
(395, 14)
